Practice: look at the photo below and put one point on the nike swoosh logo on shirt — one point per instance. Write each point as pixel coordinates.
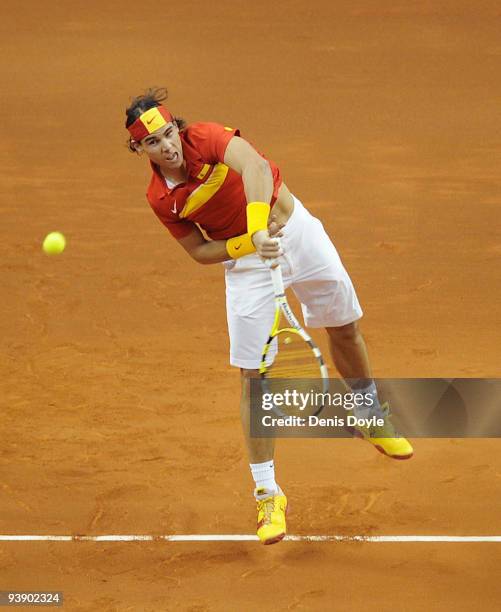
(174, 210)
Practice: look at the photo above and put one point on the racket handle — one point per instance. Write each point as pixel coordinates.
(278, 281)
(270, 263)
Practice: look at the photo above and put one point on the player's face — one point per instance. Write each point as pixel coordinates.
(164, 147)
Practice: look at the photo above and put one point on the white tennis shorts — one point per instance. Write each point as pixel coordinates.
(311, 267)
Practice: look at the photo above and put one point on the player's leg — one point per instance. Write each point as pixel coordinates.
(270, 499)
(348, 350)
(329, 300)
(259, 449)
(250, 313)
(349, 353)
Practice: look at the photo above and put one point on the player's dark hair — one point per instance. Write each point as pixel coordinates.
(152, 97)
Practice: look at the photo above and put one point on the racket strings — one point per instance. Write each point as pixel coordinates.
(295, 368)
(294, 359)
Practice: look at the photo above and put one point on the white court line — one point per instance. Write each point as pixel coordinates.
(244, 538)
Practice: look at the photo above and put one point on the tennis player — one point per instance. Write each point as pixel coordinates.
(208, 177)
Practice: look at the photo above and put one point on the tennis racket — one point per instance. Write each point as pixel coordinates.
(291, 361)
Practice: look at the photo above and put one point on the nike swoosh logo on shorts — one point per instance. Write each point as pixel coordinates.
(237, 247)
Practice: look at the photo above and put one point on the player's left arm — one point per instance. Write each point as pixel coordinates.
(255, 170)
(257, 178)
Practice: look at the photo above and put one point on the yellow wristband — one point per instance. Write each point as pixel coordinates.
(257, 217)
(240, 246)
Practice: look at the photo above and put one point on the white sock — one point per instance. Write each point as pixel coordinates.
(264, 475)
(365, 411)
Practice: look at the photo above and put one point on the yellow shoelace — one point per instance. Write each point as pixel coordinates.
(266, 506)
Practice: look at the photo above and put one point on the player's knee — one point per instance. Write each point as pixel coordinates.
(344, 333)
(246, 374)
(245, 377)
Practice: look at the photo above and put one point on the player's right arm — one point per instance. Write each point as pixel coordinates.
(204, 251)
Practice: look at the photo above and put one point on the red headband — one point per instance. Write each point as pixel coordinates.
(150, 121)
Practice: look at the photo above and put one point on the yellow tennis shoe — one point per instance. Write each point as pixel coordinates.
(271, 512)
(385, 438)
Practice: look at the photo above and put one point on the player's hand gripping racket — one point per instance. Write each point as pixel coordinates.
(291, 361)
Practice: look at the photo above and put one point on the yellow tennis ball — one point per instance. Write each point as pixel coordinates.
(287, 340)
(54, 243)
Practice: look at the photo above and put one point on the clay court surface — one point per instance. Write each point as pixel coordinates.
(119, 409)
